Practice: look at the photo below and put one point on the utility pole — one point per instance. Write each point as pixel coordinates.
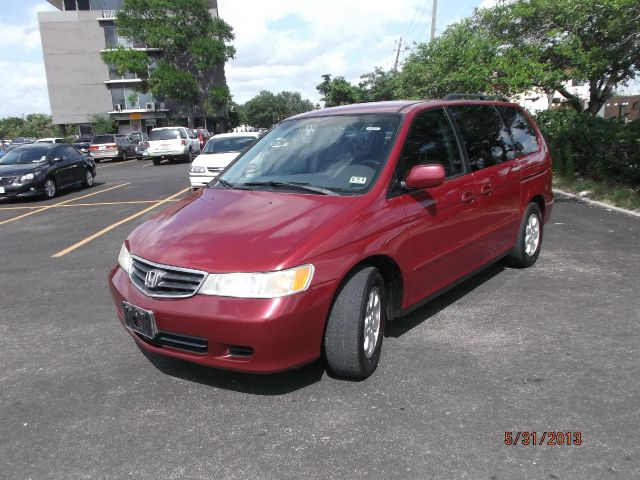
(395, 65)
(434, 14)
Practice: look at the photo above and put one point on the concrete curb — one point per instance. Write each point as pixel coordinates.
(634, 213)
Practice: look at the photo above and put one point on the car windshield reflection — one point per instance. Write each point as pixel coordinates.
(342, 154)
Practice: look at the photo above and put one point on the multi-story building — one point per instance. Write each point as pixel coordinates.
(81, 85)
(625, 108)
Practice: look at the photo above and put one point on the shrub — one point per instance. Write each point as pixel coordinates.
(607, 150)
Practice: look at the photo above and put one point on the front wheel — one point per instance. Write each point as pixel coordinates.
(50, 188)
(353, 338)
(88, 178)
(529, 240)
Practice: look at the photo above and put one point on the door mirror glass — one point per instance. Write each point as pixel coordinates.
(425, 176)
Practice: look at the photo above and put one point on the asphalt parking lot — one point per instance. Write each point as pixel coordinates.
(554, 348)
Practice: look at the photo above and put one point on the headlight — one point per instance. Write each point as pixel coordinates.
(124, 259)
(197, 169)
(26, 178)
(258, 285)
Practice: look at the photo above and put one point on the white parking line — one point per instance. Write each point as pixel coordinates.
(119, 163)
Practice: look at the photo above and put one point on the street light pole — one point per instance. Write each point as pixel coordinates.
(434, 14)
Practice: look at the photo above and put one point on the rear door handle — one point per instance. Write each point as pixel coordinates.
(486, 189)
(468, 197)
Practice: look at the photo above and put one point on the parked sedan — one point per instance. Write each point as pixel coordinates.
(44, 169)
(19, 141)
(112, 146)
(219, 151)
(83, 143)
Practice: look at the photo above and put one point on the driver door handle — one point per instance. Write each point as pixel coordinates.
(468, 197)
(486, 189)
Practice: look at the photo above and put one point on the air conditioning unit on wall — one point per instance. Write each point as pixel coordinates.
(117, 107)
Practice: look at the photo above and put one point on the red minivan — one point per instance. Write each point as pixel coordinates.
(333, 223)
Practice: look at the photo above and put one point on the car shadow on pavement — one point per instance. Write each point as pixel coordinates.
(256, 384)
(402, 325)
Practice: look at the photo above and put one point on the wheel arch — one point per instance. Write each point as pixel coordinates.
(391, 274)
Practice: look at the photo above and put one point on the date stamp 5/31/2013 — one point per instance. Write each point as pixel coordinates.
(543, 438)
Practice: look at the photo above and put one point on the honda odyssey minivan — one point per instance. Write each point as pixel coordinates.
(332, 224)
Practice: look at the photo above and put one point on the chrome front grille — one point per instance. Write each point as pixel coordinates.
(157, 280)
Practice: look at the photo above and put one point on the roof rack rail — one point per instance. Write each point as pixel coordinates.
(474, 96)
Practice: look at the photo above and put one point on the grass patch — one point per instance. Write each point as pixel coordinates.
(607, 192)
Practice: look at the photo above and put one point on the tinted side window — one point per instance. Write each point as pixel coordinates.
(484, 135)
(521, 130)
(70, 153)
(431, 140)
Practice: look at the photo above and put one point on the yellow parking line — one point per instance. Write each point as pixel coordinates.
(61, 203)
(117, 224)
(132, 202)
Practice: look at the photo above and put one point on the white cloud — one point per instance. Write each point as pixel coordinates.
(290, 44)
(24, 89)
(24, 81)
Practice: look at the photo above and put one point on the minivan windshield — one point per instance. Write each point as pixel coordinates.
(340, 154)
(226, 145)
(166, 134)
(19, 156)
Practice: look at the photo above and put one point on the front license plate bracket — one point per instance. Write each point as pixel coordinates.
(140, 320)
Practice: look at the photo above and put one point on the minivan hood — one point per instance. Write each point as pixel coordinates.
(219, 230)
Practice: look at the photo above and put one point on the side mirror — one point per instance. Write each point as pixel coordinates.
(424, 176)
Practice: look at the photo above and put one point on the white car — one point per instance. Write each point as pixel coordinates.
(219, 152)
(170, 143)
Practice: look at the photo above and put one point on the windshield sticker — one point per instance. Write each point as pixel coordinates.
(375, 129)
(358, 180)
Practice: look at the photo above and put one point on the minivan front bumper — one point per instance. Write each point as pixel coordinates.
(243, 334)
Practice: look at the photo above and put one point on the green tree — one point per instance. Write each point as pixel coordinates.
(103, 124)
(378, 86)
(337, 91)
(518, 45)
(590, 40)
(266, 109)
(193, 48)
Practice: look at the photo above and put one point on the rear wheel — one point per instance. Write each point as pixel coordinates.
(189, 157)
(353, 338)
(96, 160)
(529, 241)
(50, 188)
(156, 161)
(124, 156)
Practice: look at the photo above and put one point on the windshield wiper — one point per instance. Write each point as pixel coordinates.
(297, 186)
(224, 183)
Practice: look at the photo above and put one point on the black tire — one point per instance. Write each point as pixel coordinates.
(50, 187)
(189, 157)
(344, 339)
(88, 179)
(156, 161)
(524, 255)
(124, 156)
(96, 160)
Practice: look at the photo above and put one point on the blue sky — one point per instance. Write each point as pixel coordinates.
(281, 44)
